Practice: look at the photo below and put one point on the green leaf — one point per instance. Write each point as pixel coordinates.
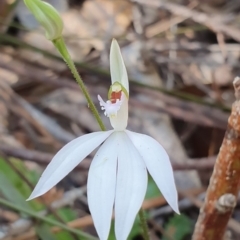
(178, 227)
(13, 177)
(67, 214)
(65, 235)
(44, 232)
(11, 193)
(37, 216)
(8, 190)
(14, 189)
(136, 230)
(152, 189)
(17, 182)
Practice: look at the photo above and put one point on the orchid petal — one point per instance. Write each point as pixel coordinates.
(67, 159)
(158, 165)
(117, 66)
(131, 186)
(101, 186)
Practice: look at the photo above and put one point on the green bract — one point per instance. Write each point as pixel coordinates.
(47, 16)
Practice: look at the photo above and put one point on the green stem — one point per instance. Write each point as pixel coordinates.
(46, 220)
(61, 47)
(144, 225)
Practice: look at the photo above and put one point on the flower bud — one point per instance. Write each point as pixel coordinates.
(47, 16)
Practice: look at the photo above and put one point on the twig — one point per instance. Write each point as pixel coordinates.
(221, 197)
(184, 203)
(11, 100)
(47, 122)
(197, 164)
(196, 16)
(32, 155)
(188, 111)
(25, 154)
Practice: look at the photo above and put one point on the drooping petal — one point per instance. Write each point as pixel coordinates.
(158, 165)
(131, 186)
(67, 159)
(101, 186)
(117, 66)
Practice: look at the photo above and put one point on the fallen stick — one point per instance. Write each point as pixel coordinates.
(221, 197)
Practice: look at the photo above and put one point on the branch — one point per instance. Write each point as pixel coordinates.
(33, 155)
(221, 197)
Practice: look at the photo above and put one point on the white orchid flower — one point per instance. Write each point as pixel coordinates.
(118, 173)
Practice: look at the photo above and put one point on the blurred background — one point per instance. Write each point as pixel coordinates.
(181, 57)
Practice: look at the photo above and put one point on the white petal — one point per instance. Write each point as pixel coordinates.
(117, 66)
(158, 165)
(101, 186)
(67, 159)
(131, 186)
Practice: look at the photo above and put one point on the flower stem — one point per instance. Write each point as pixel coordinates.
(144, 225)
(61, 47)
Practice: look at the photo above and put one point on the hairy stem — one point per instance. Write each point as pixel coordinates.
(61, 47)
(144, 225)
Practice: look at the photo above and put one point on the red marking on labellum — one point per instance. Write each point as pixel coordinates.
(115, 96)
